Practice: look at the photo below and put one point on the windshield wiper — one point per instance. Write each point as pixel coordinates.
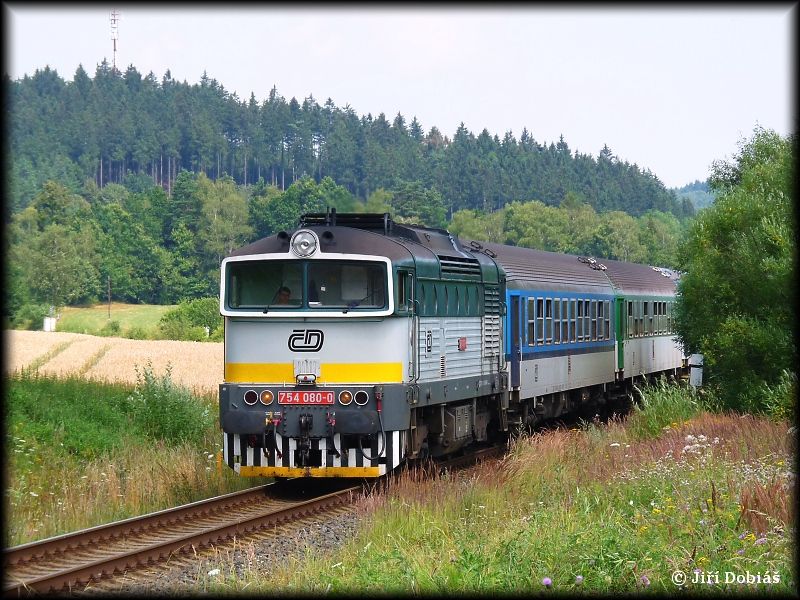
(354, 303)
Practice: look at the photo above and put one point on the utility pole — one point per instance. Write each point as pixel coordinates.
(114, 36)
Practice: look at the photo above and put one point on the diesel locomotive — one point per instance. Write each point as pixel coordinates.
(355, 343)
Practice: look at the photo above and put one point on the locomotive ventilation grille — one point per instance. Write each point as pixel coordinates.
(491, 300)
(456, 265)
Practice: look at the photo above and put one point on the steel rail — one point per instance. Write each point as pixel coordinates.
(96, 567)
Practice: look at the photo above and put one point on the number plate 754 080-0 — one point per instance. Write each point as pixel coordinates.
(305, 397)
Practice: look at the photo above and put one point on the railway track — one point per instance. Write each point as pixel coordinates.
(73, 561)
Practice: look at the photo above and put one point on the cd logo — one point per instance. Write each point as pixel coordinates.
(306, 340)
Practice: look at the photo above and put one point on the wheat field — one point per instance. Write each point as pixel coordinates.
(195, 365)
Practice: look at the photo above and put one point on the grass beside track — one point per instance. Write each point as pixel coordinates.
(82, 453)
(600, 508)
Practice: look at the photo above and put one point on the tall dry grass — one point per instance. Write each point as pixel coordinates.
(59, 498)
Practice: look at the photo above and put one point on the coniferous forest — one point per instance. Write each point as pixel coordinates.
(148, 183)
(118, 123)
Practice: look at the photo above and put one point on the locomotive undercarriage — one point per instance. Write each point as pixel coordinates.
(442, 429)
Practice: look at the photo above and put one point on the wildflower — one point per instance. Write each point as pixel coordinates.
(644, 580)
(742, 535)
(213, 572)
(614, 445)
(547, 582)
(34, 494)
(760, 541)
(579, 579)
(740, 552)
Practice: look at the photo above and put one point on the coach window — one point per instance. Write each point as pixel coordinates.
(629, 311)
(531, 321)
(669, 317)
(587, 320)
(580, 320)
(539, 322)
(556, 321)
(600, 320)
(572, 320)
(548, 321)
(607, 313)
(642, 315)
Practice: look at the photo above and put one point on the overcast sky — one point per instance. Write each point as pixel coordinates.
(671, 89)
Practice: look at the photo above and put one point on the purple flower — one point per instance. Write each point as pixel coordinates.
(742, 535)
(740, 552)
(579, 579)
(698, 570)
(547, 582)
(760, 541)
(644, 580)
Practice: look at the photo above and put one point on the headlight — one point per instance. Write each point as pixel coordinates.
(362, 397)
(250, 397)
(304, 243)
(266, 397)
(345, 397)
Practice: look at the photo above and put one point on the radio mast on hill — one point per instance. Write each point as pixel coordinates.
(114, 36)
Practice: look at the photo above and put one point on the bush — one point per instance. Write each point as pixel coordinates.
(166, 411)
(30, 316)
(780, 398)
(189, 320)
(180, 329)
(138, 333)
(110, 329)
(735, 301)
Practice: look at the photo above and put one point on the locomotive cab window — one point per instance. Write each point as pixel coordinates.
(262, 284)
(300, 285)
(346, 285)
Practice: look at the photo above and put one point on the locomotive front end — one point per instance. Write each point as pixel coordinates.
(315, 357)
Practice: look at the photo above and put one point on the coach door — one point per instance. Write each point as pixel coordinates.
(516, 341)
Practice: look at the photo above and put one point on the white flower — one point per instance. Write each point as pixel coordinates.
(213, 572)
(614, 445)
